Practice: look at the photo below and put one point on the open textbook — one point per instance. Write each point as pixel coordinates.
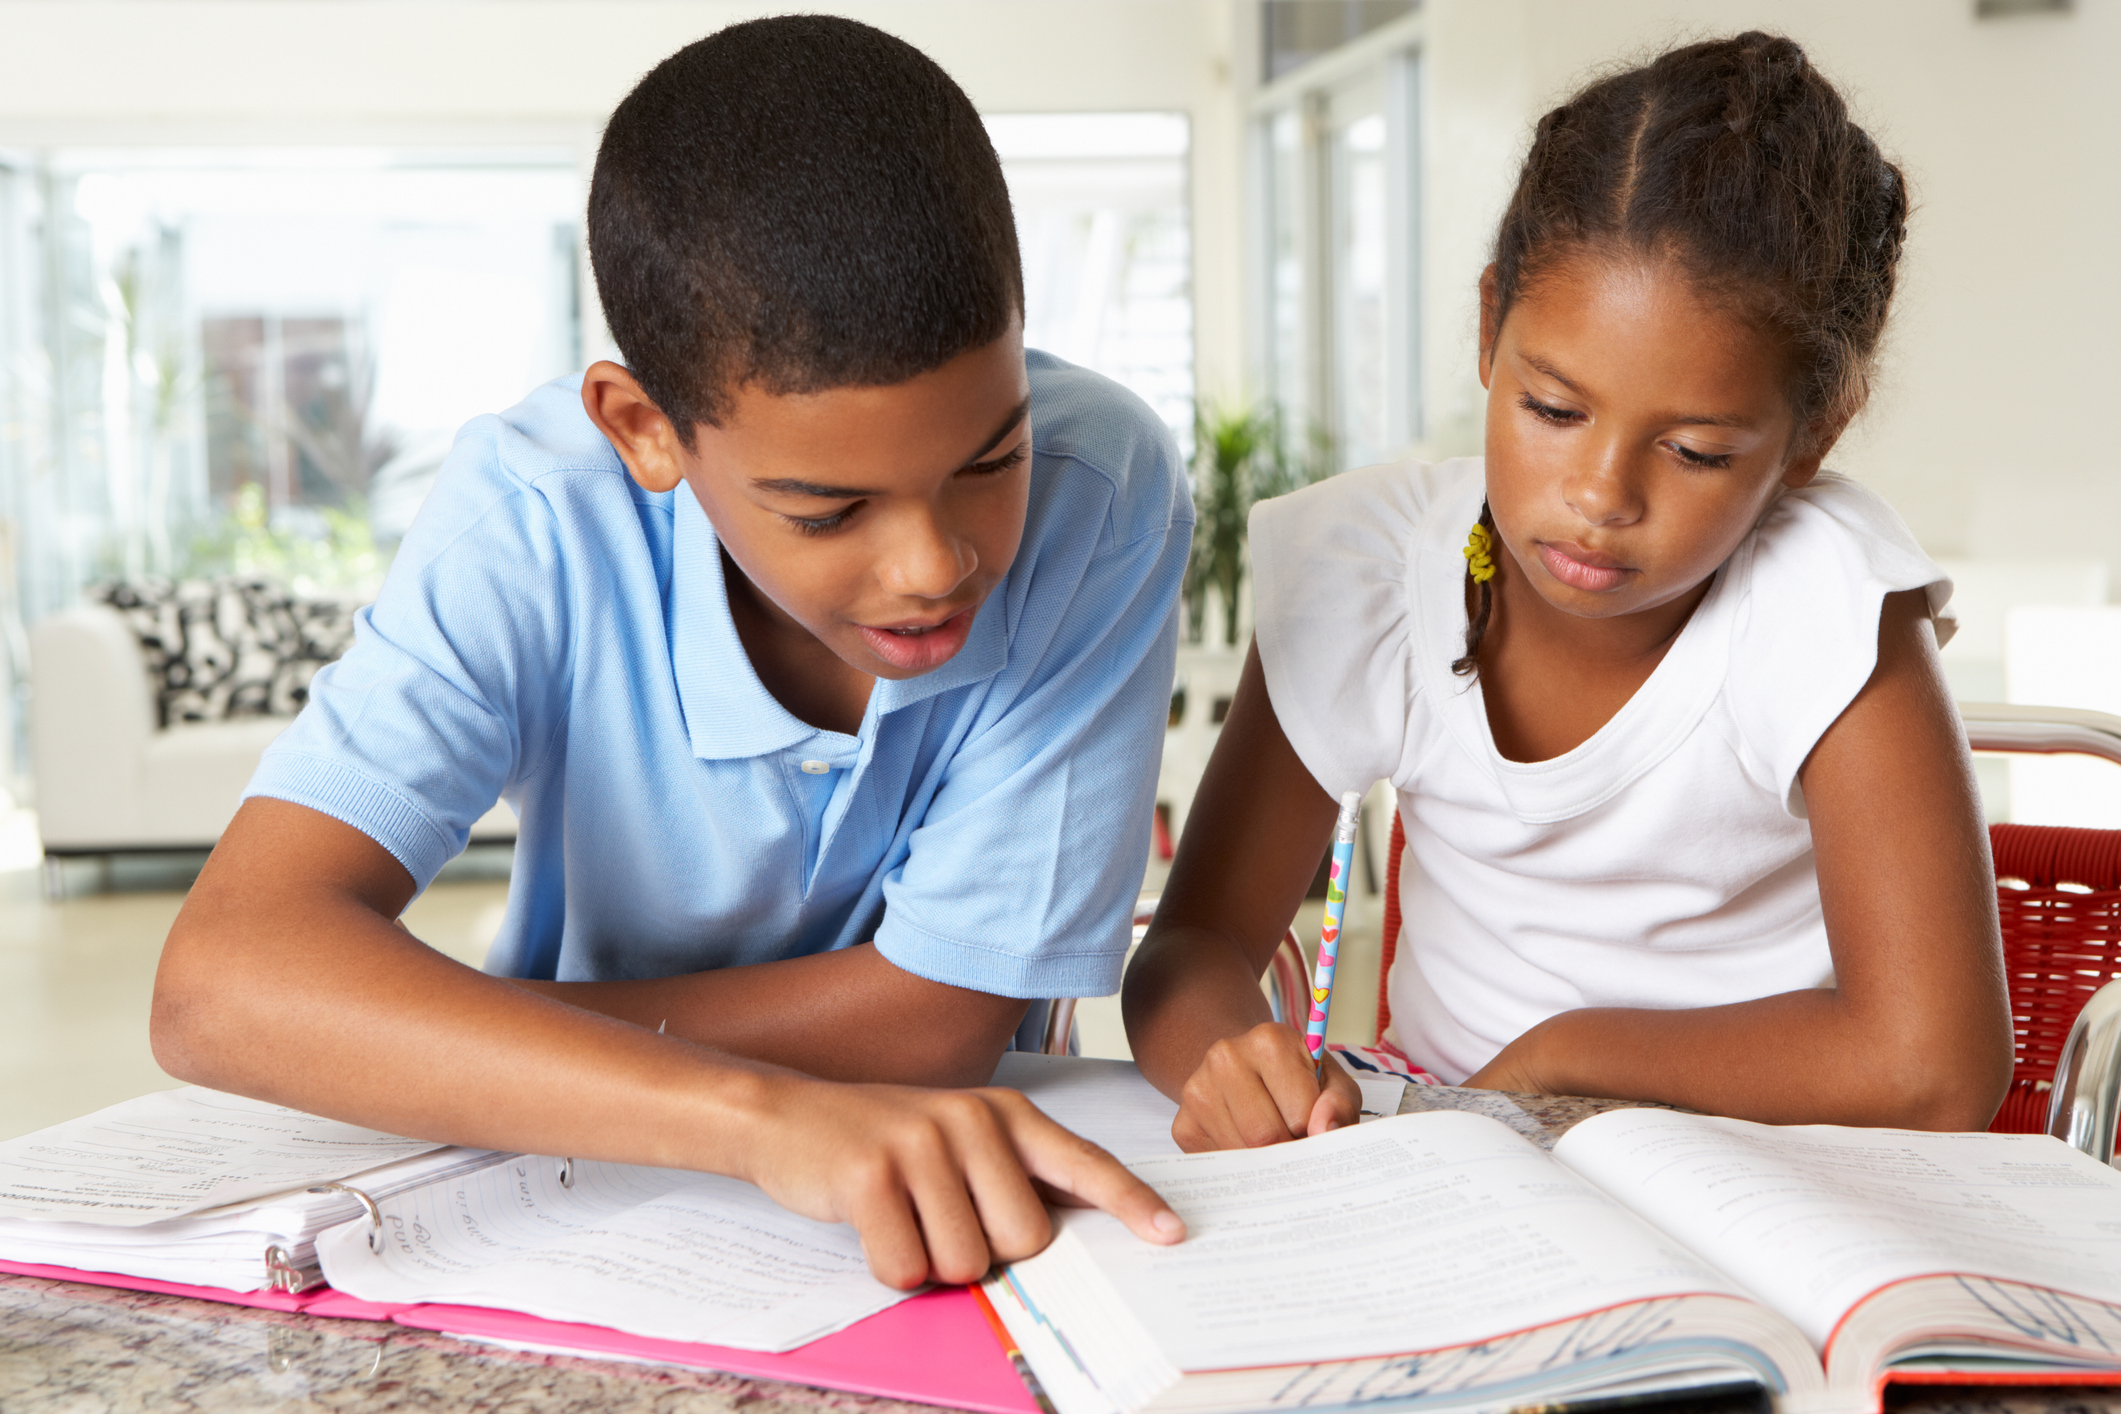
(1440, 1261)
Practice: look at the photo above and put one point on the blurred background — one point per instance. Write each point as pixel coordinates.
(259, 260)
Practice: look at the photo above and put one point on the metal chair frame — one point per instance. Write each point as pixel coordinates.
(1289, 972)
(2085, 1098)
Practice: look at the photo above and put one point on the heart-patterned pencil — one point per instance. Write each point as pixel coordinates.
(1329, 932)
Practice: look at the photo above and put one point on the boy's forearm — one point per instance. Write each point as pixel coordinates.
(401, 1039)
(285, 979)
(845, 1015)
(1809, 1057)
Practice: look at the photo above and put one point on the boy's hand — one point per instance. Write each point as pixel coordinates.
(942, 1185)
(1260, 1088)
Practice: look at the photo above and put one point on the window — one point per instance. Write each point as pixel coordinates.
(1360, 255)
(1100, 204)
(247, 337)
(1289, 213)
(1294, 32)
(1337, 226)
(253, 361)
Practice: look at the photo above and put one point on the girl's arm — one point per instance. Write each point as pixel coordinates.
(1916, 1031)
(285, 979)
(1196, 1019)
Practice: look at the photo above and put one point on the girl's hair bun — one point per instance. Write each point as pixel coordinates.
(1739, 160)
(1773, 80)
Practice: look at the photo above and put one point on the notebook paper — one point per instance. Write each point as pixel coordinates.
(181, 1151)
(658, 1252)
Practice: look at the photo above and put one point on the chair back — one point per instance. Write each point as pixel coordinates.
(2058, 893)
(1393, 851)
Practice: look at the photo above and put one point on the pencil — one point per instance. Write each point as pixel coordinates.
(1329, 931)
(1016, 1357)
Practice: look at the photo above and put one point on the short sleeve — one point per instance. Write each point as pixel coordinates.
(1805, 635)
(1333, 621)
(452, 684)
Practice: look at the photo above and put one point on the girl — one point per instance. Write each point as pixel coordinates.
(1689, 813)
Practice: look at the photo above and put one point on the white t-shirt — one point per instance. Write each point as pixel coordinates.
(1666, 861)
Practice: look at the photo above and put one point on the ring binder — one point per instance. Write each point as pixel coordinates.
(567, 1173)
(375, 1214)
(282, 1273)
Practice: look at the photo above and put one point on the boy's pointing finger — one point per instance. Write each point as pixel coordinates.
(1079, 1173)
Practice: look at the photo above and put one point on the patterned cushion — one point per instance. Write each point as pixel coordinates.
(229, 647)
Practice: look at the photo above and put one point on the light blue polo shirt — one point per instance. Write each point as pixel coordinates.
(555, 636)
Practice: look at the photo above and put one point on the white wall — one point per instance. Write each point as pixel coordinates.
(1990, 430)
(469, 72)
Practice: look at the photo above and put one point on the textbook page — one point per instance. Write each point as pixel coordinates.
(1346, 1245)
(654, 1252)
(181, 1151)
(1106, 1101)
(1110, 1104)
(1814, 1218)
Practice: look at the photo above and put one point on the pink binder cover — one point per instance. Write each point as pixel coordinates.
(934, 1349)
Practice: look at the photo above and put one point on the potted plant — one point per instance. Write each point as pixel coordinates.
(1242, 456)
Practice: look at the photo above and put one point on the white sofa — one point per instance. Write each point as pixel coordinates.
(109, 779)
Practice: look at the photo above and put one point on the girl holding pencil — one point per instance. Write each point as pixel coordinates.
(1689, 813)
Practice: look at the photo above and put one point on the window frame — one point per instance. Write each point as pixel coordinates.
(1387, 62)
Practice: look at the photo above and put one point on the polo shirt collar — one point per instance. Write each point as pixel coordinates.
(729, 714)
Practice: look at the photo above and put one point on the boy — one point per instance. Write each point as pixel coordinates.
(829, 708)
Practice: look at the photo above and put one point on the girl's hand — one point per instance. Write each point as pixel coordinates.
(1259, 1087)
(941, 1185)
(1195, 1015)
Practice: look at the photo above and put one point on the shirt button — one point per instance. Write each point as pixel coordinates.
(815, 768)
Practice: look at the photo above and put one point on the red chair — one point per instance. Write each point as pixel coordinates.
(2059, 893)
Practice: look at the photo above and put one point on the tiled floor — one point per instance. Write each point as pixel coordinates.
(76, 975)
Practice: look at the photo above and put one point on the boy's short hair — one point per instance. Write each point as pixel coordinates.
(802, 202)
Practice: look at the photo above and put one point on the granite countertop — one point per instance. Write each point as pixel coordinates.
(66, 1348)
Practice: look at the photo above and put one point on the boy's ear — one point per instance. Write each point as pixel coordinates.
(1490, 323)
(644, 438)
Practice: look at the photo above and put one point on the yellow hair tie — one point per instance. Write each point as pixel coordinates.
(1479, 563)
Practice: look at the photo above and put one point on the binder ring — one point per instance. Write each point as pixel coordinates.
(281, 1273)
(567, 1173)
(368, 1205)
